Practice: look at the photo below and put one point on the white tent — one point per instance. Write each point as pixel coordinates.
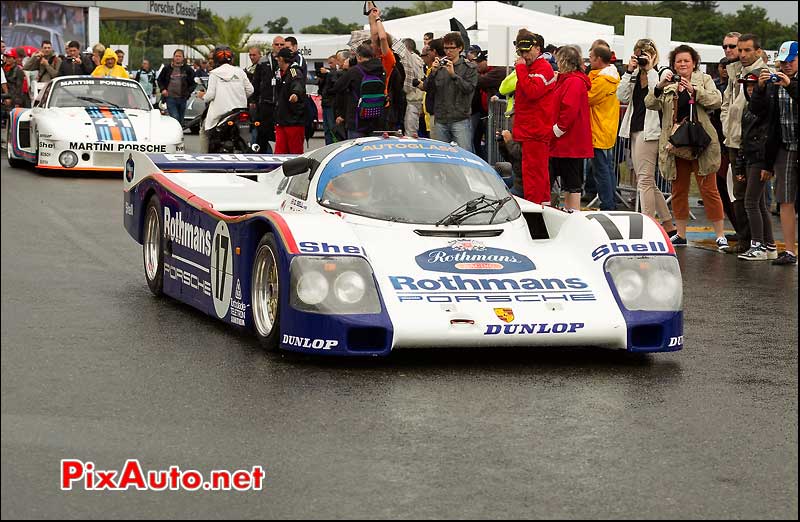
(555, 29)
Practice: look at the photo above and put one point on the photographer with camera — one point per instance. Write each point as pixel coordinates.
(643, 126)
(453, 81)
(775, 97)
(45, 62)
(74, 63)
(688, 95)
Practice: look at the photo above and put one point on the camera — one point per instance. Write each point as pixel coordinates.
(444, 62)
(642, 60)
(774, 78)
(415, 82)
(498, 137)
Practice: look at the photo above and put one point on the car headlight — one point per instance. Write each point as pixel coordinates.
(68, 159)
(647, 283)
(333, 285)
(349, 287)
(312, 288)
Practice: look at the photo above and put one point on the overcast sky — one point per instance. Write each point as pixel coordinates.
(302, 14)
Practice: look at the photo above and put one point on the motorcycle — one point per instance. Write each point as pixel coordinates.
(230, 135)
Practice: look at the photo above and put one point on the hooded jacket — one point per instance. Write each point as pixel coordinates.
(572, 130)
(228, 89)
(453, 94)
(733, 102)
(535, 103)
(604, 107)
(117, 71)
(707, 99)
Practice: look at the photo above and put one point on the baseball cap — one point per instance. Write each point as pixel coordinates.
(527, 43)
(476, 49)
(482, 56)
(286, 53)
(788, 51)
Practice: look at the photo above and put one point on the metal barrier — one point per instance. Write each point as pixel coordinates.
(623, 165)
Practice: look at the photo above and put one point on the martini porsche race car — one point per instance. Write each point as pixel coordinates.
(86, 123)
(370, 245)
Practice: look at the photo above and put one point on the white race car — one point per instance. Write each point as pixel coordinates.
(371, 245)
(86, 123)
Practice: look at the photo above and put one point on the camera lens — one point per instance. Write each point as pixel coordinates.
(642, 60)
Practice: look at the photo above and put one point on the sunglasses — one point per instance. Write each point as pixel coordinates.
(450, 48)
(729, 46)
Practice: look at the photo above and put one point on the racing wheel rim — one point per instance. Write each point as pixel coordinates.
(152, 243)
(265, 291)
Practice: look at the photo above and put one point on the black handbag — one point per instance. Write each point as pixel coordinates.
(688, 139)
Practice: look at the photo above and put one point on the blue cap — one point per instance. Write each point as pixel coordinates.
(788, 51)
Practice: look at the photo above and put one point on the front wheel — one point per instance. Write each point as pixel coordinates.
(265, 293)
(152, 247)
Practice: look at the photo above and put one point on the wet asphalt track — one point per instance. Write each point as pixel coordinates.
(95, 368)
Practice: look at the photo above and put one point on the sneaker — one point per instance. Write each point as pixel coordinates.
(672, 233)
(785, 259)
(722, 244)
(754, 254)
(678, 240)
(772, 252)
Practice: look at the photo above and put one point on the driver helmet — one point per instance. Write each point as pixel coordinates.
(222, 54)
(350, 188)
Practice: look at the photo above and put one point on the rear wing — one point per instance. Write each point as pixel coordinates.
(226, 162)
(138, 165)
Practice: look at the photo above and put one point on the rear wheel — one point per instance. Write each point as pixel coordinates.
(152, 247)
(265, 293)
(18, 164)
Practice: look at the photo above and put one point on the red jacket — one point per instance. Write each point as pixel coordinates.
(534, 101)
(572, 117)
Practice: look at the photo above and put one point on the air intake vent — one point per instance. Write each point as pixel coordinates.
(536, 225)
(459, 233)
(647, 336)
(367, 339)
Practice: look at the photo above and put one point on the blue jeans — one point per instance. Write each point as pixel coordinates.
(604, 178)
(176, 107)
(328, 122)
(458, 131)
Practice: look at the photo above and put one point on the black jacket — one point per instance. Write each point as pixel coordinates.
(163, 78)
(397, 96)
(70, 68)
(265, 83)
(764, 105)
(350, 85)
(325, 83)
(289, 114)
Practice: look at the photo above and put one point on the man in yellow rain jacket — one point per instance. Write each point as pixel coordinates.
(604, 115)
(109, 67)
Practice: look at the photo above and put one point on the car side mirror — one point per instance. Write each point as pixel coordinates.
(299, 165)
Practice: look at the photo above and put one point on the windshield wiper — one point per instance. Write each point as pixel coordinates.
(98, 100)
(480, 205)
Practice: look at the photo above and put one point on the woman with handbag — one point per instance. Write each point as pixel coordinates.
(643, 127)
(688, 143)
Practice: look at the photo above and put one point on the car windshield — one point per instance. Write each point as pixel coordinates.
(99, 92)
(421, 193)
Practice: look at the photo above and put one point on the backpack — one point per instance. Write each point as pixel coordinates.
(311, 117)
(372, 101)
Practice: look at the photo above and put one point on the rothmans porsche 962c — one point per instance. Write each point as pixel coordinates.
(86, 123)
(376, 244)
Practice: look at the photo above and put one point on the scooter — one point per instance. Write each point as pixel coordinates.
(232, 134)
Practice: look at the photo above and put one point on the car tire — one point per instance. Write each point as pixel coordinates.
(18, 164)
(153, 247)
(265, 291)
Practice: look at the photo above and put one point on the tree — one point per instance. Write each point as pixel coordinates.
(278, 26)
(393, 12)
(234, 32)
(515, 3)
(331, 26)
